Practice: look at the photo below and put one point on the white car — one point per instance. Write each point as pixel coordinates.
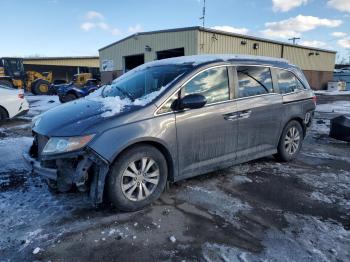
(12, 103)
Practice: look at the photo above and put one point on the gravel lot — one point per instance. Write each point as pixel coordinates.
(262, 210)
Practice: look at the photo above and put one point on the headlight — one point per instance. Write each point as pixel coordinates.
(57, 145)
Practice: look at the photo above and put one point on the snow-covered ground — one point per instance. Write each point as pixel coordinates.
(340, 107)
(332, 93)
(258, 211)
(40, 104)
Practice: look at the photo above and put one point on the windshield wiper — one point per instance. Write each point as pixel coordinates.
(125, 93)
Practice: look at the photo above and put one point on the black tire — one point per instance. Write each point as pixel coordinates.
(70, 97)
(41, 87)
(284, 151)
(6, 83)
(115, 178)
(3, 115)
(52, 185)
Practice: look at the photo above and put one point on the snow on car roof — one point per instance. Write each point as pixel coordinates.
(201, 59)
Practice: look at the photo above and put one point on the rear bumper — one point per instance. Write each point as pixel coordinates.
(38, 169)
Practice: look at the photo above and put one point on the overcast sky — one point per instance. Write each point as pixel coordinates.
(81, 27)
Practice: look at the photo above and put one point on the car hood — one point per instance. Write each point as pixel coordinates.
(74, 118)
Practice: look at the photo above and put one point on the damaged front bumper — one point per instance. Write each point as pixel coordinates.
(84, 169)
(36, 167)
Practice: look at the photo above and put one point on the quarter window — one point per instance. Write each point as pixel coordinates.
(213, 84)
(254, 80)
(287, 82)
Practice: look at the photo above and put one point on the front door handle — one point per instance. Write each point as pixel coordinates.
(245, 114)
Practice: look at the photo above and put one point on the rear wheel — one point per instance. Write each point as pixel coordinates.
(68, 98)
(41, 87)
(290, 142)
(6, 83)
(137, 178)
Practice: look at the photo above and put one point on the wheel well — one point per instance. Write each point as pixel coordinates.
(7, 113)
(162, 149)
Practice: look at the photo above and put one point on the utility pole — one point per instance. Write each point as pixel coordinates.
(294, 39)
(203, 14)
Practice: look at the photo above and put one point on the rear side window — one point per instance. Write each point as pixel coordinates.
(212, 84)
(254, 80)
(288, 82)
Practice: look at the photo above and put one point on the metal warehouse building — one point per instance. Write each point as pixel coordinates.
(63, 67)
(123, 55)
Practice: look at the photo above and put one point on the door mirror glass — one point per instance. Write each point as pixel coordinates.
(192, 101)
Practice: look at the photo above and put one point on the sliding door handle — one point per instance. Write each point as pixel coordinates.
(245, 114)
(231, 116)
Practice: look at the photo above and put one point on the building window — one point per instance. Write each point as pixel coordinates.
(254, 80)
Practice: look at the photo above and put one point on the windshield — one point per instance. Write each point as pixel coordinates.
(139, 83)
(13, 66)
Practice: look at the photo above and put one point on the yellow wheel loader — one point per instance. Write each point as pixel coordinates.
(12, 74)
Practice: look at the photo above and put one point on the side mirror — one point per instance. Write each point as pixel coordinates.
(192, 101)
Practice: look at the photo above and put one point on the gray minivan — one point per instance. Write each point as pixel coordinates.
(169, 120)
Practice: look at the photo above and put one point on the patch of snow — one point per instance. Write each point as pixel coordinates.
(172, 239)
(111, 232)
(237, 180)
(40, 104)
(112, 105)
(115, 105)
(36, 250)
(315, 240)
(216, 201)
(320, 197)
(326, 156)
(199, 59)
(148, 98)
(331, 93)
(11, 150)
(321, 126)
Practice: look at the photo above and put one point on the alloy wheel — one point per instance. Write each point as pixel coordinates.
(140, 179)
(292, 140)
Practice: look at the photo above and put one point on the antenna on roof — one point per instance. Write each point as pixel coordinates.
(294, 39)
(203, 14)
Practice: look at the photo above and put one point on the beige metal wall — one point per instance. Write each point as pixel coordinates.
(157, 41)
(82, 62)
(212, 43)
(308, 60)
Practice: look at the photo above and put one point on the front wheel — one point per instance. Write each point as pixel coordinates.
(137, 178)
(41, 87)
(290, 142)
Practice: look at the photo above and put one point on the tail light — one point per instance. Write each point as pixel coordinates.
(314, 99)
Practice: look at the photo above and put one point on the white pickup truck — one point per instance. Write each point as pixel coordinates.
(12, 103)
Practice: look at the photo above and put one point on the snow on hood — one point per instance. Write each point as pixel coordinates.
(115, 105)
